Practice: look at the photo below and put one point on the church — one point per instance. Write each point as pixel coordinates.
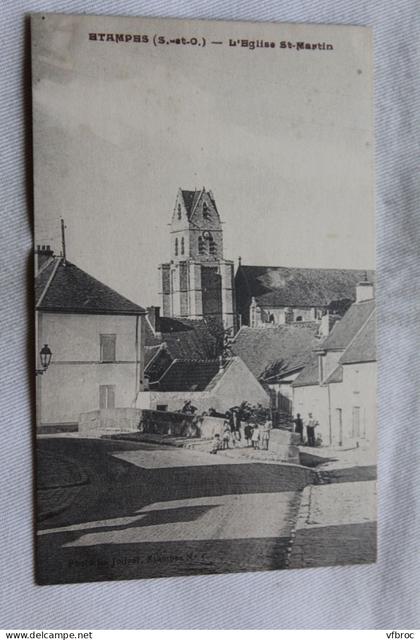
(199, 283)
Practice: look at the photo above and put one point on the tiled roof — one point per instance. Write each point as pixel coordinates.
(270, 352)
(294, 287)
(64, 288)
(187, 375)
(345, 329)
(336, 375)
(184, 339)
(354, 334)
(363, 347)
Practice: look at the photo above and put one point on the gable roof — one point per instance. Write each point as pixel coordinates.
(354, 334)
(309, 375)
(345, 329)
(61, 287)
(187, 375)
(363, 347)
(294, 287)
(183, 339)
(272, 352)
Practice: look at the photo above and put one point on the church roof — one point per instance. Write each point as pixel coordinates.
(62, 287)
(191, 198)
(272, 352)
(294, 287)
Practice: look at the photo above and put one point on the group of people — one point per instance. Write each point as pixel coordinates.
(250, 424)
(311, 425)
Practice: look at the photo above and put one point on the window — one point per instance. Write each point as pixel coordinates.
(299, 319)
(107, 396)
(176, 246)
(179, 212)
(201, 247)
(161, 407)
(182, 245)
(108, 347)
(206, 212)
(212, 246)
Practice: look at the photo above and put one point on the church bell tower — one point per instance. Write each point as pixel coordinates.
(198, 282)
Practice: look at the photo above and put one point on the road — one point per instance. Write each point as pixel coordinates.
(144, 510)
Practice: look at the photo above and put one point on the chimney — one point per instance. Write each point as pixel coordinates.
(153, 313)
(42, 255)
(364, 291)
(327, 322)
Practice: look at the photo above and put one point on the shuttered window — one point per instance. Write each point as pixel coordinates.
(108, 347)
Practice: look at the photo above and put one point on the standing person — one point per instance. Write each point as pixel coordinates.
(266, 432)
(226, 434)
(255, 436)
(248, 433)
(237, 417)
(299, 427)
(310, 430)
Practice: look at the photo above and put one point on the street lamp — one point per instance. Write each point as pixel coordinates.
(45, 356)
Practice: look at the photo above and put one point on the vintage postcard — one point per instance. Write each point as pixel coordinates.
(205, 297)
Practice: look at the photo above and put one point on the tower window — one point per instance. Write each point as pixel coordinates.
(201, 247)
(206, 212)
(182, 245)
(212, 246)
(176, 246)
(179, 212)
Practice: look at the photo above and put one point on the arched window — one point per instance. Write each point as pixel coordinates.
(179, 212)
(206, 212)
(182, 245)
(212, 246)
(176, 246)
(201, 247)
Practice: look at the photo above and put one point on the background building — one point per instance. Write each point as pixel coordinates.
(279, 295)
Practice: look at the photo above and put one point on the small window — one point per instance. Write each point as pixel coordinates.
(108, 347)
(176, 246)
(206, 212)
(182, 246)
(179, 212)
(299, 319)
(161, 407)
(107, 396)
(212, 247)
(201, 248)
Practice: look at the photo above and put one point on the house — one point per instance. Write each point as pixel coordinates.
(96, 337)
(197, 281)
(276, 355)
(206, 383)
(278, 295)
(183, 361)
(338, 386)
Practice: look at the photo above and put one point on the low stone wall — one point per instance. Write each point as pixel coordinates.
(107, 421)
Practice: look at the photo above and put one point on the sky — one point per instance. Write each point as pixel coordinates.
(282, 137)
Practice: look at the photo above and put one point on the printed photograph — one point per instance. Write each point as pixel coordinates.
(205, 283)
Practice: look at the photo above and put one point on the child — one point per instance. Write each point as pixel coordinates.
(226, 435)
(215, 445)
(255, 436)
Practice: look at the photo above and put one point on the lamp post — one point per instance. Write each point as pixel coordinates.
(45, 356)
